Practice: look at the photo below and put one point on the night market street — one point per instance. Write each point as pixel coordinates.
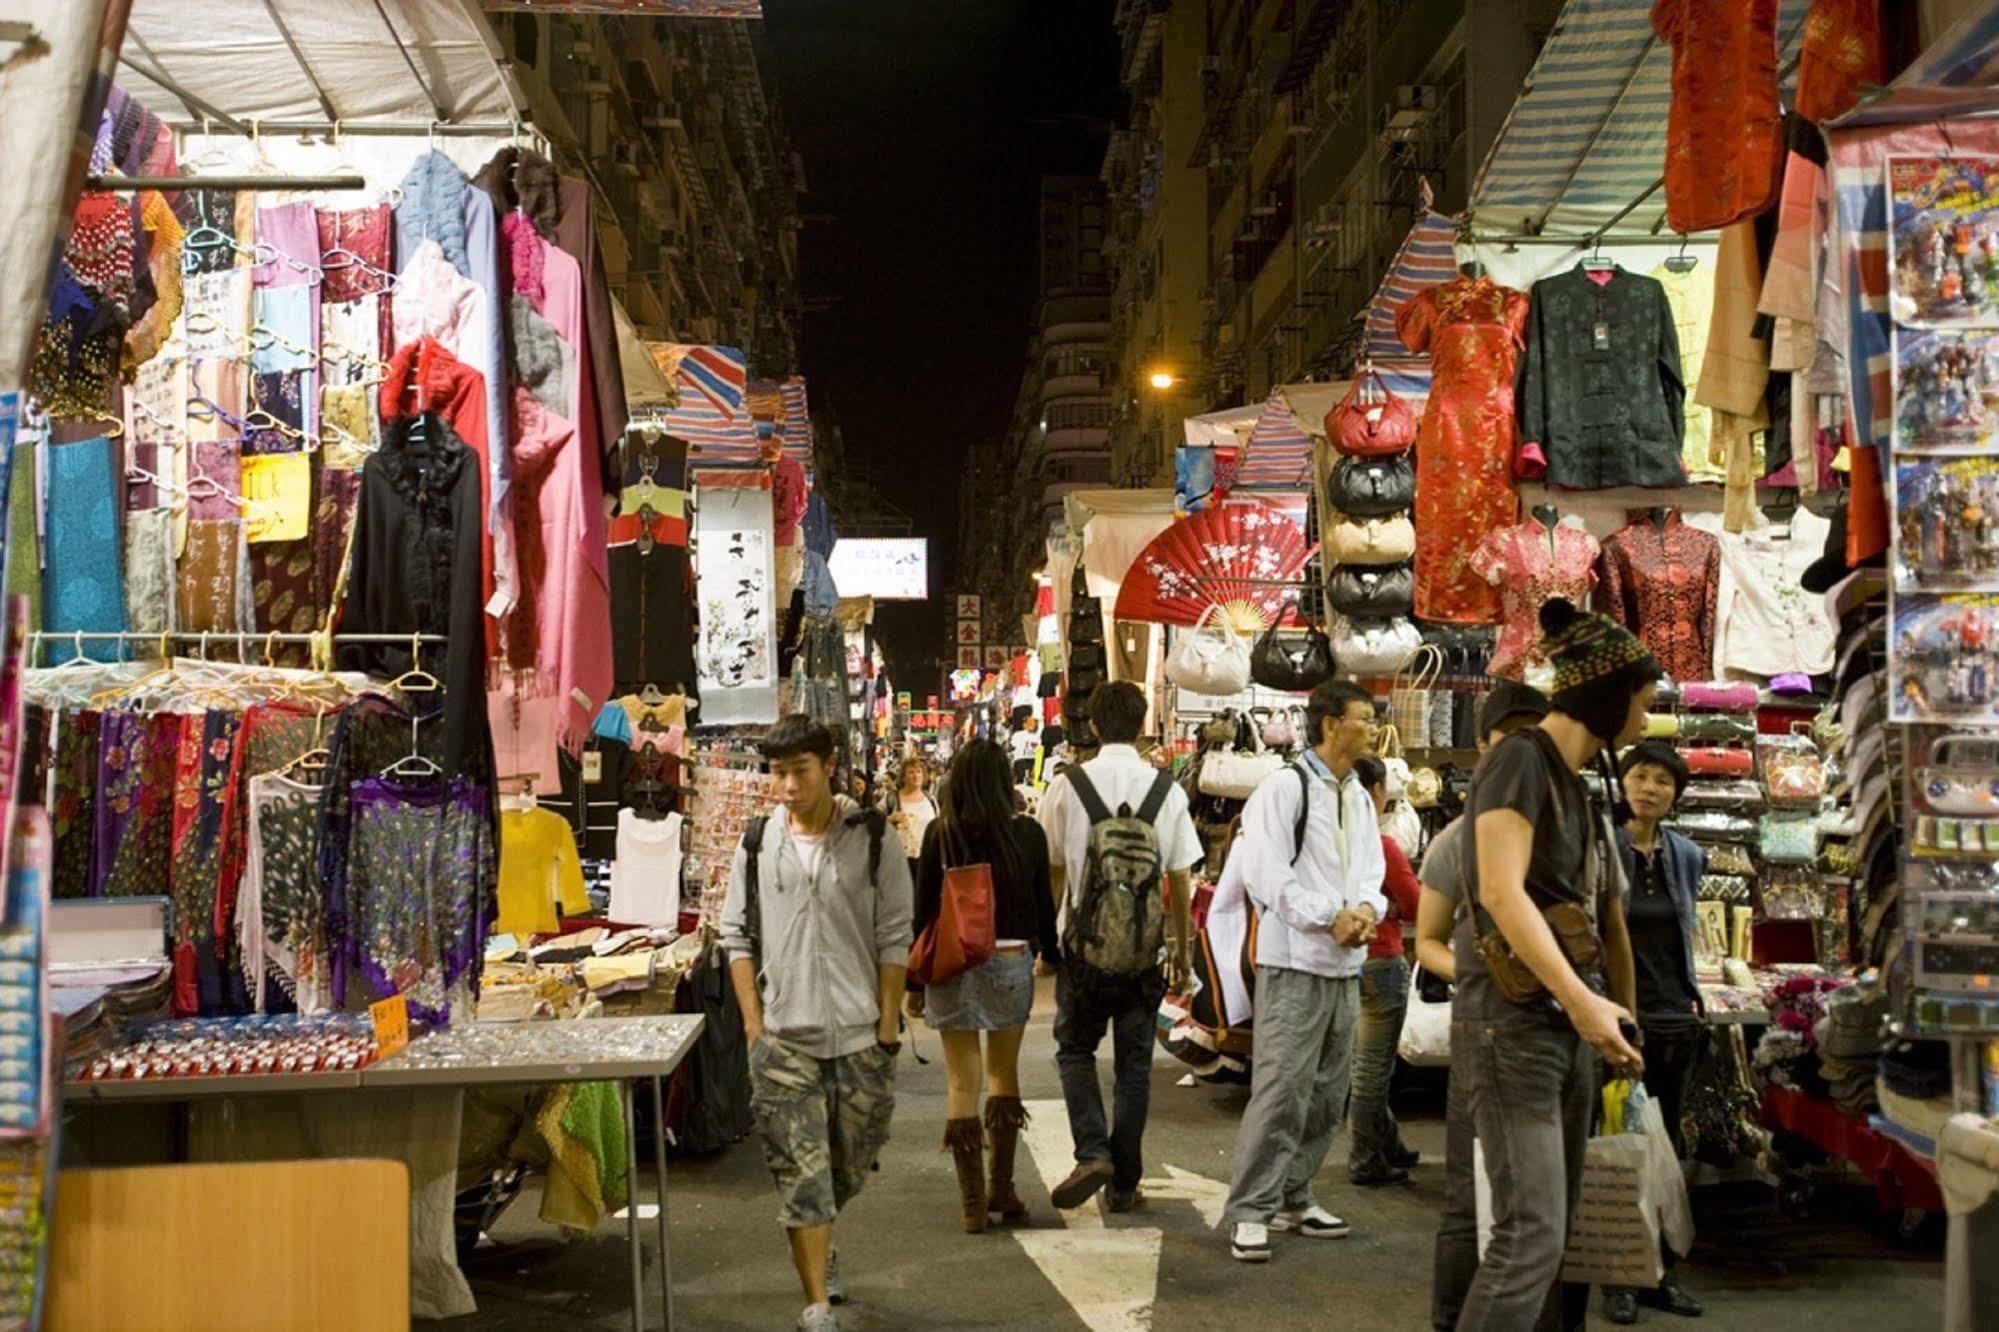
(1162, 1267)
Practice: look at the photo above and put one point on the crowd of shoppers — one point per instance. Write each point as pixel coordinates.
(1564, 923)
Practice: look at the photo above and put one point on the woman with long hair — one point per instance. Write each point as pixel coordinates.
(977, 826)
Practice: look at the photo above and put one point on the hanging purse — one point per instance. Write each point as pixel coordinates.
(1375, 647)
(1410, 696)
(1289, 660)
(1366, 590)
(1233, 774)
(1373, 540)
(1371, 422)
(1372, 487)
(1213, 660)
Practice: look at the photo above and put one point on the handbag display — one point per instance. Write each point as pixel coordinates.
(1291, 660)
(1443, 718)
(1706, 762)
(1372, 487)
(1213, 660)
(1373, 540)
(1370, 421)
(1378, 591)
(1426, 788)
(962, 937)
(1280, 729)
(1233, 774)
(1375, 647)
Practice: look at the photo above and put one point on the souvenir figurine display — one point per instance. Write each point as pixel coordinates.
(1945, 233)
(1947, 524)
(1946, 389)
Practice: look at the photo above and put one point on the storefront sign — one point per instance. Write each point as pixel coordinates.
(969, 606)
(885, 568)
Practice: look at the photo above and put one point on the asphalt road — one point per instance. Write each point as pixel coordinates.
(1163, 1267)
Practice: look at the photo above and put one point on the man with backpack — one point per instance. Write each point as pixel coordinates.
(1311, 862)
(816, 926)
(1116, 827)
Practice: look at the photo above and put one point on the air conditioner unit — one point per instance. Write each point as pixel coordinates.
(1412, 108)
(1266, 204)
(625, 157)
(669, 240)
(662, 113)
(1211, 72)
(1326, 221)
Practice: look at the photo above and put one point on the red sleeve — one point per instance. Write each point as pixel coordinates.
(1398, 881)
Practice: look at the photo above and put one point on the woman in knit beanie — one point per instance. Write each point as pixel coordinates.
(1601, 670)
(1544, 854)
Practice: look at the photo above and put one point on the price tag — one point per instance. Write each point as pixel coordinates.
(392, 1024)
(1600, 336)
(277, 496)
(593, 766)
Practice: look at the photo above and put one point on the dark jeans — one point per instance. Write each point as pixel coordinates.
(1083, 1008)
(1455, 1257)
(1384, 998)
(1531, 1084)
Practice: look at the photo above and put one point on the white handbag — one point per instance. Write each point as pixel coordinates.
(1426, 1029)
(1233, 774)
(1212, 660)
(1376, 647)
(1404, 826)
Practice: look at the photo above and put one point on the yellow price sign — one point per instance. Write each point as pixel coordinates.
(392, 1024)
(277, 496)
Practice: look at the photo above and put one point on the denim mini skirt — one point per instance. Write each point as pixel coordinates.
(993, 996)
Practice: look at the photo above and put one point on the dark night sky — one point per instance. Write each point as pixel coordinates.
(925, 127)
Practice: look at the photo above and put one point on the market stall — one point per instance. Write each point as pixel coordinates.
(358, 648)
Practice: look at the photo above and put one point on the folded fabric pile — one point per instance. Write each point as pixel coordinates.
(1849, 1045)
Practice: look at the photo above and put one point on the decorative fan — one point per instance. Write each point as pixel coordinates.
(1246, 558)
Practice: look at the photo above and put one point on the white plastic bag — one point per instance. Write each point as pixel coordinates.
(1665, 1183)
(1426, 1028)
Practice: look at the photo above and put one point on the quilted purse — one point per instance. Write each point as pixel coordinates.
(1374, 540)
(1371, 422)
(1372, 487)
(1365, 590)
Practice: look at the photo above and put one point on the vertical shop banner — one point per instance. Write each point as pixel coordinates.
(735, 560)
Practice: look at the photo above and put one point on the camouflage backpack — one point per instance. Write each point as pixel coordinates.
(1117, 923)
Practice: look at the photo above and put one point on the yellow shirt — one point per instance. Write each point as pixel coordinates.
(538, 867)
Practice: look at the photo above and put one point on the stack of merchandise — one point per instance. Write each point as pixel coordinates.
(1788, 1053)
(1849, 1045)
(584, 973)
(237, 1047)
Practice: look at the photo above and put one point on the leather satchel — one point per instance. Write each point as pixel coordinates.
(1373, 487)
(1292, 661)
(1371, 422)
(1380, 592)
(964, 934)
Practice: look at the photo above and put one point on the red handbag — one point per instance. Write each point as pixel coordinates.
(963, 935)
(1379, 428)
(1710, 762)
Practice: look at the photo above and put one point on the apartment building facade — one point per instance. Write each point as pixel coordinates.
(677, 127)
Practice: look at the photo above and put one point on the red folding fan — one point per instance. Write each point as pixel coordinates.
(1245, 558)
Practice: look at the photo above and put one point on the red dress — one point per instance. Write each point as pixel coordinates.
(1724, 127)
(1464, 451)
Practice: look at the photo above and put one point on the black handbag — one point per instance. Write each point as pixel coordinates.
(1372, 591)
(1373, 487)
(1292, 661)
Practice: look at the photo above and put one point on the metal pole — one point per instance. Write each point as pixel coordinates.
(291, 44)
(480, 129)
(122, 184)
(659, 1166)
(150, 68)
(632, 1208)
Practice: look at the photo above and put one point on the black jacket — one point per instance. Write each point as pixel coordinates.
(1023, 904)
(416, 569)
(1610, 410)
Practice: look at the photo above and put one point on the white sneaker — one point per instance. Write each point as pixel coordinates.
(1249, 1242)
(819, 1318)
(1314, 1221)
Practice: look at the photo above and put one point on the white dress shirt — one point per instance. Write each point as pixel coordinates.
(1121, 778)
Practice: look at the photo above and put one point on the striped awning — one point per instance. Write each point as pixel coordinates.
(1428, 256)
(781, 413)
(713, 411)
(1587, 134)
(1278, 453)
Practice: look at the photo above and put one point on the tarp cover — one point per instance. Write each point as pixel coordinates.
(231, 55)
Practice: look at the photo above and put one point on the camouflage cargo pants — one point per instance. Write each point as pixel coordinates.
(823, 1122)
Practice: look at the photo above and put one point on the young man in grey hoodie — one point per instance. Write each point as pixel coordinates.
(816, 925)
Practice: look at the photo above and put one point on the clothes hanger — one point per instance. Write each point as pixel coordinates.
(416, 680)
(1682, 262)
(1594, 261)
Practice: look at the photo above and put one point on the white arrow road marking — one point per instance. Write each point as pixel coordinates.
(1108, 1274)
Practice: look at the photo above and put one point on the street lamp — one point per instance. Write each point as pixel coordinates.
(1163, 380)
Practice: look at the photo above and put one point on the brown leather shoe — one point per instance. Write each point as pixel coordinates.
(966, 1142)
(1082, 1184)
(1004, 1117)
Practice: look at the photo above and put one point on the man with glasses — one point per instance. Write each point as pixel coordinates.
(1312, 864)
